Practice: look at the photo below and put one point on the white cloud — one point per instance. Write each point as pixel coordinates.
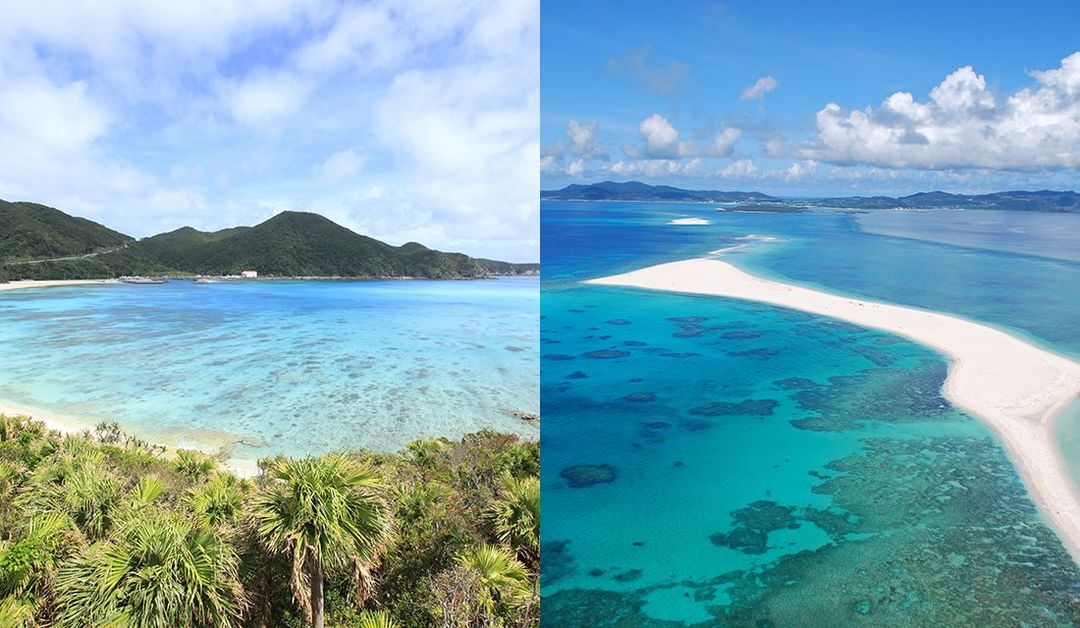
(760, 87)
(39, 116)
(342, 164)
(657, 167)
(963, 125)
(774, 147)
(724, 142)
(658, 133)
(267, 98)
(740, 169)
(583, 141)
(575, 168)
(801, 170)
(662, 139)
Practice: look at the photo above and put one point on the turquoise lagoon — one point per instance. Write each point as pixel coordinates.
(714, 462)
(267, 367)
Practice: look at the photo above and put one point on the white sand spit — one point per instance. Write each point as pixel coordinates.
(1013, 386)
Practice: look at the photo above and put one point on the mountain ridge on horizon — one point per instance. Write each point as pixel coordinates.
(1018, 200)
(41, 242)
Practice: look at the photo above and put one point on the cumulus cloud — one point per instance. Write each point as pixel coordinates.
(801, 170)
(963, 124)
(762, 86)
(583, 141)
(657, 167)
(662, 139)
(740, 169)
(724, 142)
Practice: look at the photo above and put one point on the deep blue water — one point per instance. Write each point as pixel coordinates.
(277, 366)
(715, 462)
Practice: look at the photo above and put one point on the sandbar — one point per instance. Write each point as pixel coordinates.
(1015, 387)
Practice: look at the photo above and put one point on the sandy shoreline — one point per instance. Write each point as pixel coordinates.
(1014, 387)
(242, 467)
(54, 283)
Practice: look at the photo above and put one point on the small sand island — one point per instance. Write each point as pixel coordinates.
(689, 221)
(1013, 386)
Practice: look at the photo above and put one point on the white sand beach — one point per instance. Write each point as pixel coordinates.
(1013, 386)
(54, 283)
(689, 221)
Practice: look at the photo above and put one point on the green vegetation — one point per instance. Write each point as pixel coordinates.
(32, 231)
(101, 529)
(291, 244)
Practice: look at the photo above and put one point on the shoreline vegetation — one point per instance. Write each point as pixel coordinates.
(219, 445)
(102, 528)
(1016, 388)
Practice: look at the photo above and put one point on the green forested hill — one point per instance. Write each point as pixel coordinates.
(290, 244)
(32, 231)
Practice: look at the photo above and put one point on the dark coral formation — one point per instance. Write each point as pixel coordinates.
(627, 576)
(748, 407)
(758, 352)
(794, 383)
(558, 357)
(740, 335)
(584, 475)
(881, 394)
(926, 532)
(826, 424)
(753, 525)
(606, 354)
(639, 397)
(558, 562)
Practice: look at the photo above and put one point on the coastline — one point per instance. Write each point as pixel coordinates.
(54, 283)
(1017, 389)
(241, 467)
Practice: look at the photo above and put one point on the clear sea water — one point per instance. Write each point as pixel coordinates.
(708, 461)
(269, 367)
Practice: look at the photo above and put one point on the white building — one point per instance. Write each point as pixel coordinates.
(249, 274)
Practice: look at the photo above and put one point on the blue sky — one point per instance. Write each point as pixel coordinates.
(804, 98)
(404, 120)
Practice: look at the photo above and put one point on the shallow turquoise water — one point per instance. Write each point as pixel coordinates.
(715, 462)
(278, 367)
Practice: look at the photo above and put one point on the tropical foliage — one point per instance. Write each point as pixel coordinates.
(101, 529)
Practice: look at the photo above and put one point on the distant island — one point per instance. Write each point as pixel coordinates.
(1040, 201)
(637, 191)
(40, 242)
